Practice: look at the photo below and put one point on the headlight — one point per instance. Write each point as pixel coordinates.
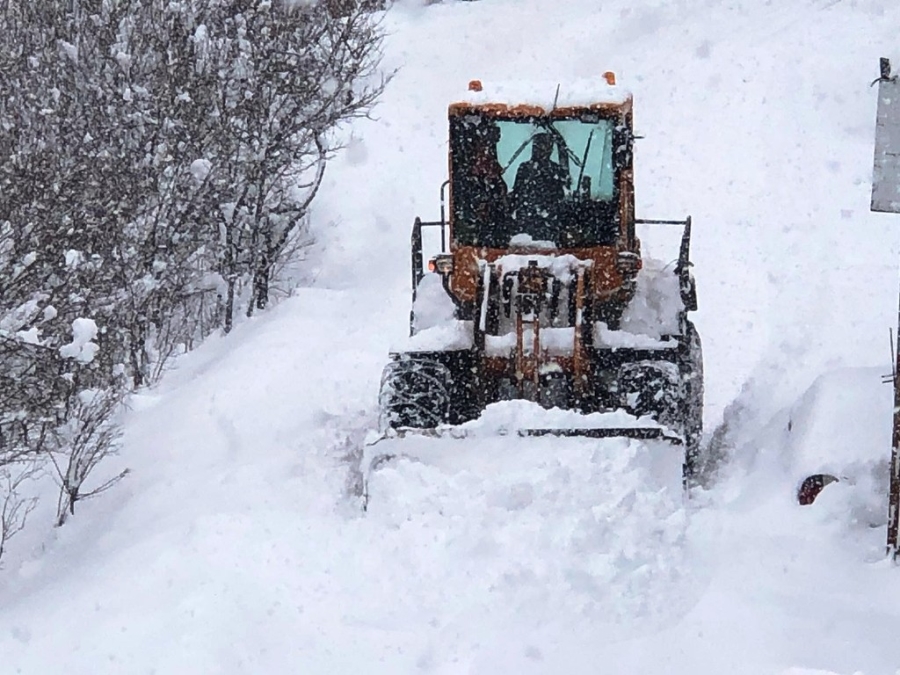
(628, 263)
(442, 264)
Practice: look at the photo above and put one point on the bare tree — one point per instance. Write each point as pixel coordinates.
(270, 83)
(88, 436)
(14, 506)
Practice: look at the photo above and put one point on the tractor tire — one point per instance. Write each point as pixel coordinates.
(672, 394)
(415, 393)
(652, 388)
(691, 365)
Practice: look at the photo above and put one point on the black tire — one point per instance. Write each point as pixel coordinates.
(415, 393)
(652, 388)
(691, 366)
(672, 394)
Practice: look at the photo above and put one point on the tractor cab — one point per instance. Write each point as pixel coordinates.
(551, 179)
(536, 171)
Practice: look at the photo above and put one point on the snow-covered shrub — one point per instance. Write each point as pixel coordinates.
(86, 437)
(159, 159)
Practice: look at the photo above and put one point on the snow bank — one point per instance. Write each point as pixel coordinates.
(843, 419)
(507, 531)
(842, 426)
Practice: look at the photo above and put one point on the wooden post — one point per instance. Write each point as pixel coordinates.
(886, 198)
(894, 491)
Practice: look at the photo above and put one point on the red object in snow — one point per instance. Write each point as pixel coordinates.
(812, 486)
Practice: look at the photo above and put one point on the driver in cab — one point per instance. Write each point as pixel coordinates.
(540, 188)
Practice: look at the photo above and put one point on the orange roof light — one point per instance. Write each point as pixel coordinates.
(475, 85)
(610, 77)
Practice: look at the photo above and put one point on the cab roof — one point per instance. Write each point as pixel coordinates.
(520, 98)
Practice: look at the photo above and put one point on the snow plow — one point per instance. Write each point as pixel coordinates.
(540, 292)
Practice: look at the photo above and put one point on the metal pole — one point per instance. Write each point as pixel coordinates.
(444, 217)
(416, 267)
(894, 491)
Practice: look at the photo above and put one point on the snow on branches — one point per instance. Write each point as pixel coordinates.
(159, 160)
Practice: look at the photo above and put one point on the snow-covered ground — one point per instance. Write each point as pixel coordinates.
(236, 544)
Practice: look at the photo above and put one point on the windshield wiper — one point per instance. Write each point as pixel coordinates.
(587, 149)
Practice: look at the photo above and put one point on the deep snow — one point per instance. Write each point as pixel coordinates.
(236, 544)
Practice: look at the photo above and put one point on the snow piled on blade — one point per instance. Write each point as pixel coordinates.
(574, 528)
(511, 416)
(518, 418)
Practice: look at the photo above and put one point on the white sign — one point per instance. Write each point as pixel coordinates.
(886, 178)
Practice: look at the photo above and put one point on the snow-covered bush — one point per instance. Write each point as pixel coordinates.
(157, 163)
(86, 437)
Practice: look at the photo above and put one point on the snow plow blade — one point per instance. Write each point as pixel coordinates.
(641, 433)
(430, 446)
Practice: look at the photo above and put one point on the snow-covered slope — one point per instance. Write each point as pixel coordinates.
(236, 546)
